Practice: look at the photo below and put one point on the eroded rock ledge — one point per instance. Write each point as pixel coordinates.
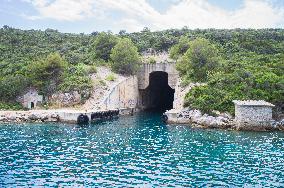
(195, 118)
(29, 116)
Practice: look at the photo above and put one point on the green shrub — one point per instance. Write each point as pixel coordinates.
(45, 105)
(152, 60)
(248, 80)
(77, 79)
(11, 86)
(10, 106)
(200, 60)
(102, 82)
(180, 48)
(91, 69)
(100, 62)
(46, 74)
(103, 44)
(125, 57)
(110, 77)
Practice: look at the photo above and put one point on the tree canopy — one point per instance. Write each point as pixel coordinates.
(125, 57)
(103, 44)
(48, 73)
(230, 75)
(180, 48)
(199, 60)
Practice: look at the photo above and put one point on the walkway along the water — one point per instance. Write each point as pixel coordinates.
(62, 115)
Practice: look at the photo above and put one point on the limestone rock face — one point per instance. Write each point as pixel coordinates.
(101, 91)
(180, 93)
(28, 116)
(226, 115)
(66, 99)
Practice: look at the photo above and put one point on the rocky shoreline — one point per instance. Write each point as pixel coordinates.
(192, 117)
(29, 116)
(196, 119)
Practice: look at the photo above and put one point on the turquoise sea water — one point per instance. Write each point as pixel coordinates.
(138, 151)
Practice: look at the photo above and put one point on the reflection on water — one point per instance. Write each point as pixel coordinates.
(136, 151)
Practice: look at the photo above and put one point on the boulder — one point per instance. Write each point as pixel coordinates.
(24, 118)
(12, 117)
(226, 115)
(44, 117)
(281, 122)
(53, 118)
(213, 124)
(33, 117)
(195, 115)
(3, 119)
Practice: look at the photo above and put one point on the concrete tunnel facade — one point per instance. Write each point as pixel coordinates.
(156, 84)
(152, 88)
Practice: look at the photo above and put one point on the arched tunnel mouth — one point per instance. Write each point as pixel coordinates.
(158, 96)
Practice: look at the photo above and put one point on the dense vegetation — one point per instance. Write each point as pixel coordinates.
(230, 73)
(246, 76)
(200, 59)
(57, 62)
(125, 57)
(235, 64)
(38, 58)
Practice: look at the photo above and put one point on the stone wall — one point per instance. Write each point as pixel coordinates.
(253, 113)
(123, 95)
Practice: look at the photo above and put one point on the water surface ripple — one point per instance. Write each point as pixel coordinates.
(138, 151)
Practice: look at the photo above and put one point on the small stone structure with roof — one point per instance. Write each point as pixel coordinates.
(253, 114)
(30, 99)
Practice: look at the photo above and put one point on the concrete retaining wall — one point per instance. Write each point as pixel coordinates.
(123, 95)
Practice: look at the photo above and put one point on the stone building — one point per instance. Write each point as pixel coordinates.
(30, 99)
(253, 114)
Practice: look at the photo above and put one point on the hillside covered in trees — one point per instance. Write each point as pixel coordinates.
(58, 62)
(235, 64)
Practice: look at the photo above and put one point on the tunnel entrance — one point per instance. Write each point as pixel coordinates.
(158, 96)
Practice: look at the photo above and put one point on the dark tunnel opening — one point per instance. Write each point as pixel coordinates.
(158, 96)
